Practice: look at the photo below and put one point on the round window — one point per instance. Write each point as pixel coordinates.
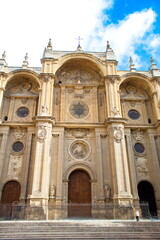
(17, 146)
(22, 112)
(139, 148)
(133, 114)
(79, 109)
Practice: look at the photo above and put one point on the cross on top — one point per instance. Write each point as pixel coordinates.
(79, 39)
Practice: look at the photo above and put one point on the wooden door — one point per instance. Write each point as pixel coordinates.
(10, 194)
(79, 194)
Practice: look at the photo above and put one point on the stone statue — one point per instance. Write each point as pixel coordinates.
(52, 192)
(107, 192)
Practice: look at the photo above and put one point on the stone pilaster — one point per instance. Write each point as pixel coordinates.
(119, 161)
(112, 98)
(131, 164)
(41, 173)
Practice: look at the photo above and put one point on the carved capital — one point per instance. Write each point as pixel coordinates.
(46, 77)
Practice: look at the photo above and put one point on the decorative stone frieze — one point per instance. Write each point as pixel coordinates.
(19, 132)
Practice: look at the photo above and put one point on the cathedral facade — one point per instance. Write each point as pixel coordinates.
(79, 132)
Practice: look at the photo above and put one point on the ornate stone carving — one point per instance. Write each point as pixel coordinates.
(131, 89)
(79, 150)
(138, 134)
(142, 168)
(115, 111)
(52, 191)
(41, 133)
(44, 110)
(107, 192)
(15, 165)
(77, 132)
(118, 134)
(19, 133)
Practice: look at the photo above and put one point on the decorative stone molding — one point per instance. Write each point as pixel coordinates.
(18, 132)
(103, 135)
(41, 133)
(118, 134)
(46, 77)
(138, 134)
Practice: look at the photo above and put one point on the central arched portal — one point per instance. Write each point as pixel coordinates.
(79, 194)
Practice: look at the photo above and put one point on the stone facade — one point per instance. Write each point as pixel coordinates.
(78, 112)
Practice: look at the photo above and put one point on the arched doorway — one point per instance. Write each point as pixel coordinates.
(10, 194)
(146, 194)
(79, 194)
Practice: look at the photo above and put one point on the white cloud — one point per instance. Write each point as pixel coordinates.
(28, 25)
(126, 36)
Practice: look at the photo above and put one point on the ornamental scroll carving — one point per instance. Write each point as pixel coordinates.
(118, 134)
(41, 133)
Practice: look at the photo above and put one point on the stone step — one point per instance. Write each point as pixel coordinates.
(79, 229)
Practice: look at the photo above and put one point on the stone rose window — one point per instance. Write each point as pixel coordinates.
(79, 109)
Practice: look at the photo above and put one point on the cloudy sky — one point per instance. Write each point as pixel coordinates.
(131, 26)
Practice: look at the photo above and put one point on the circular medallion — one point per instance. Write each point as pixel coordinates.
(79, 150)
(22, 112)
(133, 114)
(17, 146)
(79, 109)
(139, 148)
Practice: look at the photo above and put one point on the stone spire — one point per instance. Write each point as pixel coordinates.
(49, 46)
(25, 62)
(154, 70)
(3, 61)
(110, 53)
(132, 66)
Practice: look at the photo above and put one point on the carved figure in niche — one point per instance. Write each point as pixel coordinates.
(52, 191)
(107, 192)
(79, 150)
(138, 134)
(41, 133)
(18, 132)
(44, 110)
(118, 134)
(115, 111)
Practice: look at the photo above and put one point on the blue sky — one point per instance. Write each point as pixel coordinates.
(132, 27)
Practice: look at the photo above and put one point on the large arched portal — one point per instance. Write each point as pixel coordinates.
(10, 194)
(146, 194)
(79, 194)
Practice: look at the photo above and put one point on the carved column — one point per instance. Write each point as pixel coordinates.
(62, 110)
(121, 179)
(156, 96)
